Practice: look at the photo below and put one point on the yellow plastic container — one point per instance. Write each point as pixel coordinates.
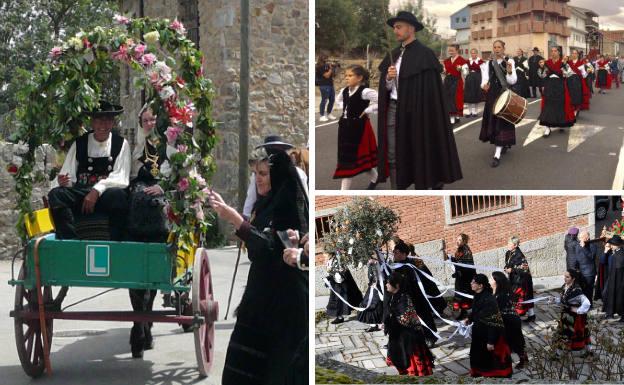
(185, 259)
(38, 222)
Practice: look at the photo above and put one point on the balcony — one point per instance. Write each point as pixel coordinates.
(482, 17)
(528, 6)
(483, 34)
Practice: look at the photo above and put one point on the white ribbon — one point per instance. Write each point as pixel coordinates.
(370, 296)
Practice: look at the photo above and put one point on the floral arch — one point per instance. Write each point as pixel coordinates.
(168, 68)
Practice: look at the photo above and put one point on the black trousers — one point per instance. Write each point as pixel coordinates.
(589, 287)
(66, 203)
(141, 333)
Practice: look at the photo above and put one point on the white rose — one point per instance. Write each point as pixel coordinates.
(76, 43)
(166, 93)
(17, 160)
(151, 37)
(21, 148)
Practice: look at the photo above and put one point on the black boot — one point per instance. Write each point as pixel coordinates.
(524, 359)
(530, 318)
(338, 320)
(137, 340)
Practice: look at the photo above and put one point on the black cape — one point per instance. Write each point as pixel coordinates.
(426, 154)
(614, 299)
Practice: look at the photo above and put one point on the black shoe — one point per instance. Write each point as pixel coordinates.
(372, 329)
(372, 185)
(504, 151)
(149, 345)
(495, 162)
(530, 318)
(137, 351)
(561, 130)
(338, 321)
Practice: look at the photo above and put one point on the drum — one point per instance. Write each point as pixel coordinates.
(511, 107)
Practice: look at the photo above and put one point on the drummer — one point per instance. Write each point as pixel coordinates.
(495, 130)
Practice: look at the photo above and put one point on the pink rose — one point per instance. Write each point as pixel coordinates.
(122, 54)
(139, 50)
(183, 184)
(177, 26)
(182, 148)
(55, 52)
(172, 134)
(199, 211)
(121, 20)
(148, 59)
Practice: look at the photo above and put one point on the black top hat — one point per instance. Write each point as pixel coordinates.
(407, 17)
(535, 49)
(616, 241)
(275, 142)
(105, 109)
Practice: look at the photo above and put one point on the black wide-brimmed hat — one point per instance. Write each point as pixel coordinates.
(616, 241)
(535, 49)
(105, 109)
(407, 17)
(275, 141)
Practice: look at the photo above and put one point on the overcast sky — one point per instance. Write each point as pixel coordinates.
(611, 11)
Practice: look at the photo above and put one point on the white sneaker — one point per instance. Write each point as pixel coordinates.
(331, 117)
(323, 119)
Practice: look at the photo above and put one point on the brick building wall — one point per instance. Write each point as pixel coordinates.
(540, 223)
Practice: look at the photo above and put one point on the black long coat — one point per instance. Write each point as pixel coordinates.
(534, 79)
(614, 299)
(426, 153)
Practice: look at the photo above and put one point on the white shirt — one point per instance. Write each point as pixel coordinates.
(367, 94)
(118, 177)
(252, 194)
(392, 85)
(485, 73)
(583, 72)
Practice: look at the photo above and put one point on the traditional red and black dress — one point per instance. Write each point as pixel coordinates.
(520, 279)
(512, 322)
(573, 324)
(407, 349)
(488, 328)
(357, 147)
(472, 87)
(603, 80)
(557, 110)
(373, 299)
(522, 85)
(579, 77)
(463, 276)
(495, 130)
(454, 85)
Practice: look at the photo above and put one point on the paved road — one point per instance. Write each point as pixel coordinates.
(590, 156)
(350, 344)
(88, 352)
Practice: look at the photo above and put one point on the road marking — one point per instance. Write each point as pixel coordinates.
(536, 132)
(618, 180)
(580, 133)
(326, 124)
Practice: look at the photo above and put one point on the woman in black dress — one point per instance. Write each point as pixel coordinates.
(490, 355)
(146, 221)
(575, 305)
(373, 315)
(269, 344)
(517, 267)
(407, 349)
(495, 130)
(463, 276)
(343, 285)
(511, 320)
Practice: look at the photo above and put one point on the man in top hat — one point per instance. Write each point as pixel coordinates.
(272, 144)
(613, 297)
(416, 143)
(93, 177)
(535, 81)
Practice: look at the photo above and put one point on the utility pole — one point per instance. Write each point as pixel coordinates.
(243, 125)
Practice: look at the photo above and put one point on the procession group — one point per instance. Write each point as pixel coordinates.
(417, 107)
(404, 300)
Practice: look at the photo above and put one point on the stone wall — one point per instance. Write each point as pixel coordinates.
(278, 100)
(9, 240)
(541, 225)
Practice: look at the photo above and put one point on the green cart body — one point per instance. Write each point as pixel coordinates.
(114, 265)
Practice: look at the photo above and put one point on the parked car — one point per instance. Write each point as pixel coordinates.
(605, 203)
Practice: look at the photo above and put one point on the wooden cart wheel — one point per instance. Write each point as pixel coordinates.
(204, 305)
(28, 337)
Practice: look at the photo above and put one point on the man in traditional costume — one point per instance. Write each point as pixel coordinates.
(94, 177)
(416, 143)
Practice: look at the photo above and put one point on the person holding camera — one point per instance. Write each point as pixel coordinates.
(325, 73)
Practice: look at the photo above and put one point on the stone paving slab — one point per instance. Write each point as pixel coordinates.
(352, 345)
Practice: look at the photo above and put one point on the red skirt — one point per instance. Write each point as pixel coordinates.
(462, 304)
(420, 365)
(574, 328)
(356, 153)
(520, 295)
(501, 365)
